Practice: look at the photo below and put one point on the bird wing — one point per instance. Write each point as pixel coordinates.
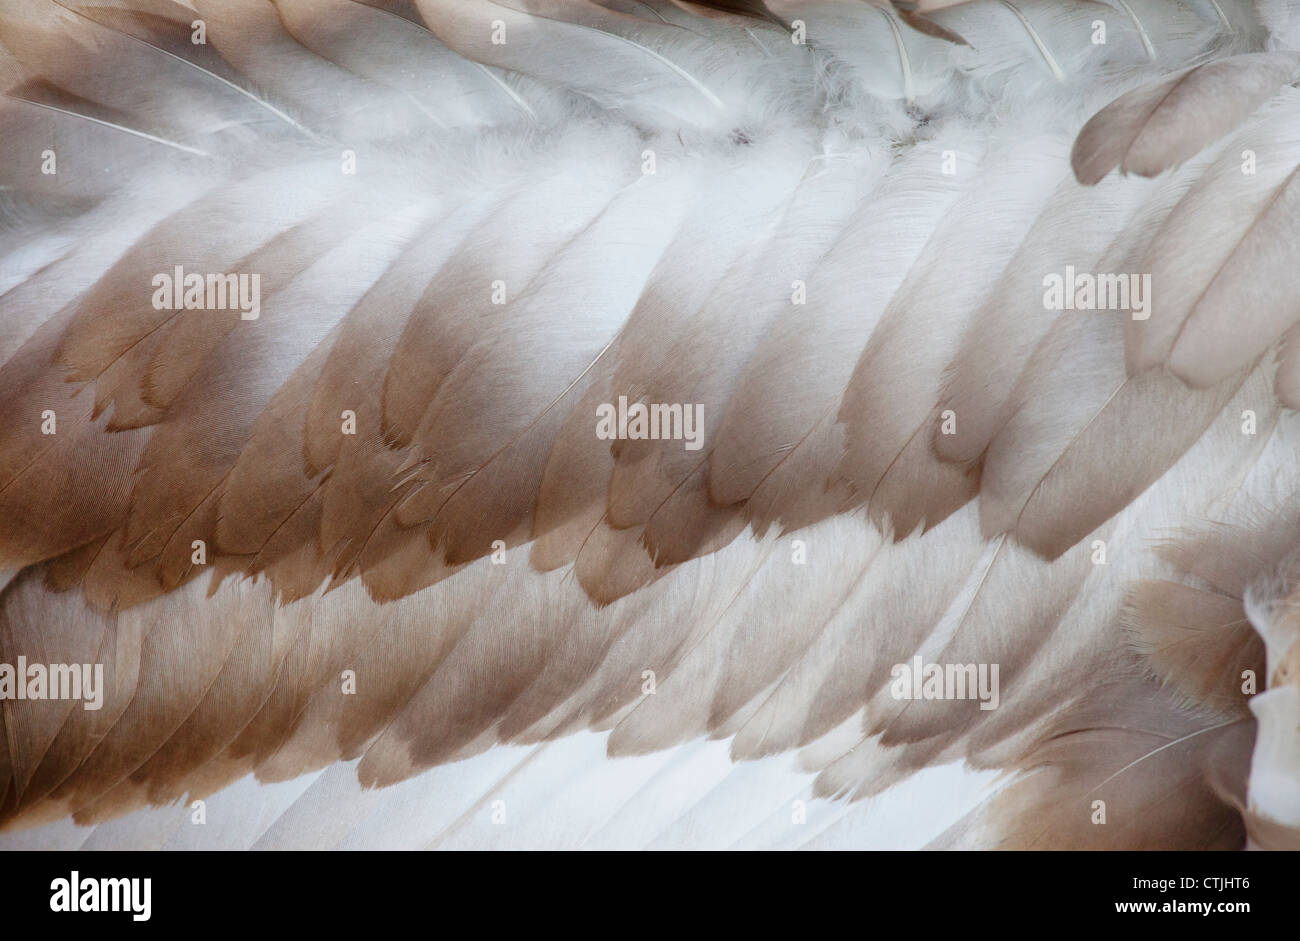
(354, 523)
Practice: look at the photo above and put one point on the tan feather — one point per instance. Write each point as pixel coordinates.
(890, 420)
(1197, 276)
(1154, 128)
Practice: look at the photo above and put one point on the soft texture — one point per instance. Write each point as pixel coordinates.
(832, 247)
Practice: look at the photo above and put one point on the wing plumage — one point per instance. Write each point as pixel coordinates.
(474, 222)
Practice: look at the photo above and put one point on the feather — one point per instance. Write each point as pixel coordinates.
(1197, 642)
(93, 343)
(895, 62)
(571, 494)
(1152, 129)
(756, 9)
(1076, 418)
(929, 27)
(796, 376)
(1008, 326)
(366, 341)
(755, 651)
(1049, 523)
(705, 378)
(1135, 768)
(1273, 812)
(1287, 383)
(852, 656)
(1027, 33)
(439, 334)
(190, 338)
(1037, 396)
(888, 458)
(712, 247)
(43, 94)
(55, 50)
(449, 90)
(597, 43)
(1198, 277)
(210, 428)
(515, 597)
(463, 499)
(172, 37)
(318, 93)
(46, 420)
